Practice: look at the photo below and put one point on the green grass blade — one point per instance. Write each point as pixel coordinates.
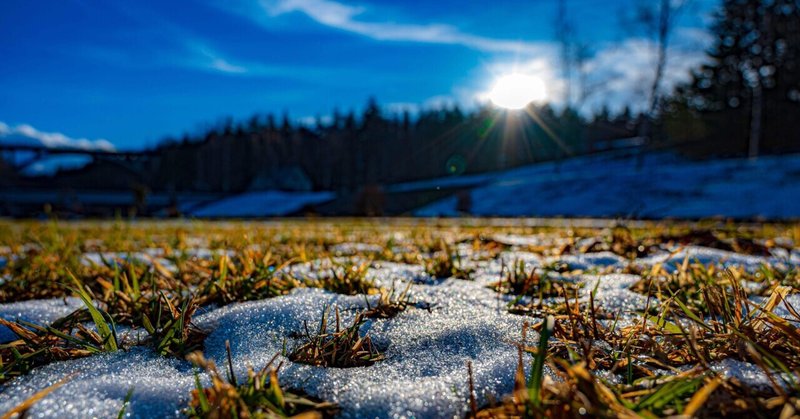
(103, 328)
(537, 371)
(125, 403)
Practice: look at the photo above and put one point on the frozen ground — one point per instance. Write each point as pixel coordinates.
(427, 347)
(653, 185)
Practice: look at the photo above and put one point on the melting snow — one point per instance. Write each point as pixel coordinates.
(99, 384)
(707, 256)
(355, 248)
(36, 311)
(426, 347)
(424, 373)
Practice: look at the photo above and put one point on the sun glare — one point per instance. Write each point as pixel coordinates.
(516, 91)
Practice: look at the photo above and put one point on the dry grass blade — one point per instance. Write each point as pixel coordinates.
(447, 263)
(700, 398)
(348, 278)
(260, 396)
(389, 304)
(342, 348)
(38, 345)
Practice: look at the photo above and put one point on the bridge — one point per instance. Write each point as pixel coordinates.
(21, 156)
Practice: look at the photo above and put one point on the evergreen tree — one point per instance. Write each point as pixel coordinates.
(747, 98)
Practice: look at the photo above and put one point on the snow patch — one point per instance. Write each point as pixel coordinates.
(35, 311)
(98, 385)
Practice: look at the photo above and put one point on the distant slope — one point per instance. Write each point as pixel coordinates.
(653, 185)
(261, 204)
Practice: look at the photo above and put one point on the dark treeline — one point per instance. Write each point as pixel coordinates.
(370, 148)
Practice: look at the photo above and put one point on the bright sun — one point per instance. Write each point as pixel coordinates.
(516, 91)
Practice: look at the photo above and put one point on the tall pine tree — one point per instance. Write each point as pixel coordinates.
(747, 98)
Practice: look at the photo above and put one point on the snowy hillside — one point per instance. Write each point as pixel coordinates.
(648, 186)
(261, 204)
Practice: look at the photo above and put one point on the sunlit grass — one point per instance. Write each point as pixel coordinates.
(260, 396)
(344, 347)
(161, 275)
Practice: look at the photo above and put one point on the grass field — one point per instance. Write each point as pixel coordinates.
(399, 318)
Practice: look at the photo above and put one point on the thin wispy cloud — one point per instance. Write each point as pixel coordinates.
(202, 56)
(26, 135)
(349, 18)
(224, 66)
(192, 53)
(172, 45)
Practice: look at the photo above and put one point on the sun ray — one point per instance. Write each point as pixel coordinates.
(550, 133)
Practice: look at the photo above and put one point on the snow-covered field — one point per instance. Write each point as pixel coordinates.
(653, 185)
(260, 204)
(426, 347)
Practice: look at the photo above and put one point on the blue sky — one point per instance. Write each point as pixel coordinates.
(133, 72)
